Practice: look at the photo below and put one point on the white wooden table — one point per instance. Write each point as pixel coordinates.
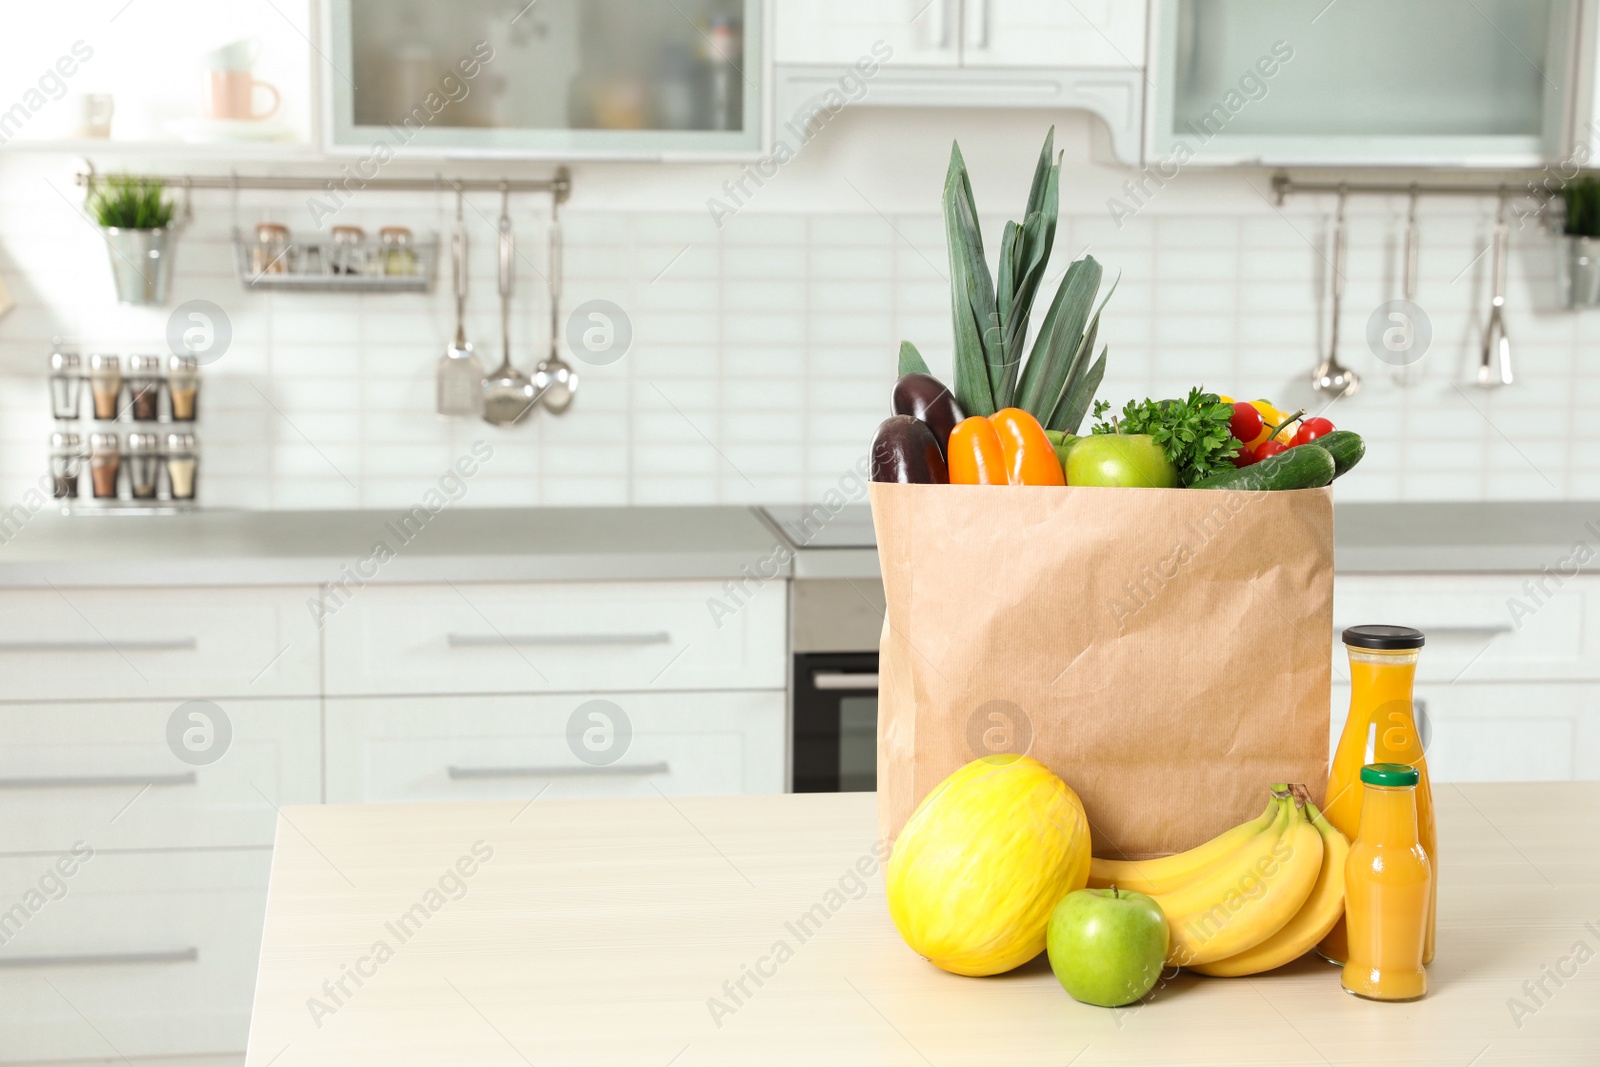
(621, 932)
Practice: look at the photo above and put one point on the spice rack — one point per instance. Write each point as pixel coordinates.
(336, 266)
(135, 449)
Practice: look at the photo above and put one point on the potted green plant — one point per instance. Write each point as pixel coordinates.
(1579, 261)
(136, 218)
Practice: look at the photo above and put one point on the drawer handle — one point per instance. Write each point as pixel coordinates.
(172, 644)
(629, 769)
(182, 955)
(844, 680)
(96, 781)
(659, 637)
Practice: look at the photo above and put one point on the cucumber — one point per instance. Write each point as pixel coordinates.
(1345, 446)
(1302, 467)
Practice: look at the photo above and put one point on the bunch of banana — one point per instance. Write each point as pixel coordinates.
(1251, 899)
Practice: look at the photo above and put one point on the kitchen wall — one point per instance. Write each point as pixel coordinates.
(763, 348)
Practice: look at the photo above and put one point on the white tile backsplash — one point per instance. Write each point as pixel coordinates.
(763, 351)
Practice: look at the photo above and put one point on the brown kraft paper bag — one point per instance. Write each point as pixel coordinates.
(1165, 651)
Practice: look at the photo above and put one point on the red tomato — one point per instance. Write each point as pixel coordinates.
(1246, 423)
(1310, 430)
(1244, 458)
(1270, 448)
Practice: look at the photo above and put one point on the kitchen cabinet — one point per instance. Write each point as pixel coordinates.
(555, 637)
(1363, 82)
(125, 643)
(964, 33)
(389, 749)
(103, 772)
(1044, 33)
(568, 79)
(142, 954)
(1502, 694)
(961, 53)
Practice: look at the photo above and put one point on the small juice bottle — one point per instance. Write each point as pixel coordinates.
(1387, 883)
(1383, 666)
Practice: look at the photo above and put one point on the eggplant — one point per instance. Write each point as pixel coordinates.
(904, 450)
(924, 397)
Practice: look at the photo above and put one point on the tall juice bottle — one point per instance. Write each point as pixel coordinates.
(1387, 884)
(1383, 666)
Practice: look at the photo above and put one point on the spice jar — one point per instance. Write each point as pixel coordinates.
(183, 387)
(105, 460)
(66, 383)
(105, 385)
(144, 387)
(349, 250)
(271, 252)
(66, 460)
(181, 465)
(399, 258)
(144, 465)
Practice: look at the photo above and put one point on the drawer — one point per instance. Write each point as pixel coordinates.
(383, 749)
(1474, 625)
(105, 774)
(554, 637)
(83, 644)
(134, 954)
(1503, 731)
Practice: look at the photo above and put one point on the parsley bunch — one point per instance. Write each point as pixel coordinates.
(1194, 433)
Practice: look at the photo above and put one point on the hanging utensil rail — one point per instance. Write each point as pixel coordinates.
(1530, 183)
(559, 184)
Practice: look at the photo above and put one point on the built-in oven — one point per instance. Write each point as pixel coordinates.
(834, 736)
(836, 610)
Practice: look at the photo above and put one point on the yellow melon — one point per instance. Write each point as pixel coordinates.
(983, 861)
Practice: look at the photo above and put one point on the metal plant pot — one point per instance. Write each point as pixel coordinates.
(141, 263)
(1578, 267)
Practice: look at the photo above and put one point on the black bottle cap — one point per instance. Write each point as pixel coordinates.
(1384, 638)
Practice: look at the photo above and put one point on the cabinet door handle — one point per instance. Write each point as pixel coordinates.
(172, 644)
(632, 770)
(843, 680)
(96, 959)
(97, 781)
(656, 637)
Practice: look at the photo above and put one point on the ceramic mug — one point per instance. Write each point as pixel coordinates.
(89, 115)
(230, 94)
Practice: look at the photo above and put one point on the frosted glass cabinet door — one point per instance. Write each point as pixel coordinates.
(923, 33)
(566, 79)
(1050, 33)
(1362, 81)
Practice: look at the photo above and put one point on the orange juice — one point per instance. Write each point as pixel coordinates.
(1383, 666)
(1387, 885)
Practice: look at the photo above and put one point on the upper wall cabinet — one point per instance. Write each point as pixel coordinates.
(964, 33)
(569, 79)
(1088, 54)
(1357, 82)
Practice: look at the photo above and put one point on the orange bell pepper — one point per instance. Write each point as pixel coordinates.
(975, 457)
(1030, 458)
(1007, 448)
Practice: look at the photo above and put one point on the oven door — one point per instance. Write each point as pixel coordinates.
(835, 723)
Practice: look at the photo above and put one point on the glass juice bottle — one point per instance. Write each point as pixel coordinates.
(1383, 666)
(1388, 883)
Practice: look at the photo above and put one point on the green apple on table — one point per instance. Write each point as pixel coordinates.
(1127, 460)
(1107, 946)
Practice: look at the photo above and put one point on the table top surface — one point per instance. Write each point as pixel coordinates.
(683, 932)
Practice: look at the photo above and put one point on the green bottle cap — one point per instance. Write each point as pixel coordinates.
(1390, 774)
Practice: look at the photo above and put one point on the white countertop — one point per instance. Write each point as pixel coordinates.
(463, 545)
(695, 542)
(620, 931)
